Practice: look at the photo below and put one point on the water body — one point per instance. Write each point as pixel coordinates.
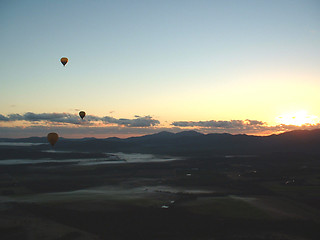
(141, 157)
(19, 144)
(111, 159)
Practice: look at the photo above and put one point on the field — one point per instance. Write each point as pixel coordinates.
(235, 197)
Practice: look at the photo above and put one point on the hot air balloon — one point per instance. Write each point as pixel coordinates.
(64, 61)
(82, 114)
(52, 138)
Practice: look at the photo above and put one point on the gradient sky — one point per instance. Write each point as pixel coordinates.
(170, 61)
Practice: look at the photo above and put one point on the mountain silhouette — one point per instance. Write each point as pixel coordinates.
(192, 143)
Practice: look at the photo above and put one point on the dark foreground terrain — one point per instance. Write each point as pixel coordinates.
(268, 196)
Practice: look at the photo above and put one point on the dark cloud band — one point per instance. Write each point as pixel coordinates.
(138, 121)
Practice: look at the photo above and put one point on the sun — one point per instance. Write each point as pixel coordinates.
(298, 118)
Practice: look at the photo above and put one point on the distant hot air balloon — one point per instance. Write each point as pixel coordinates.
(82, 114)
(52, 138)
(64, 61)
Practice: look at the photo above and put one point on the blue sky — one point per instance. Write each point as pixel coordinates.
(171, 60)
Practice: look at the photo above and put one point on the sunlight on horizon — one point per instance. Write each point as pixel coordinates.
(297, 118)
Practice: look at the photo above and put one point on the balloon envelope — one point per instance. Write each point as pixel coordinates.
(82, 114)
(52, 138)
(64, 61)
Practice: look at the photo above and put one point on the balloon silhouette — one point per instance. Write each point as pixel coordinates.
(82, 114)
(64, 61)
(52, 138)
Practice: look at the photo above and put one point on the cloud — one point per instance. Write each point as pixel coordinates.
(4, 118)
(146, 121)
(67, 118)
(52, 117)
(255, 122)
(232, 124)
(247, 126)
(70, 125)
(34, 117)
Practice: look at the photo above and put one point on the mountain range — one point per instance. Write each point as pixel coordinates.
(191, 143)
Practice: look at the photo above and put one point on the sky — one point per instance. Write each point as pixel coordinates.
(140, 67)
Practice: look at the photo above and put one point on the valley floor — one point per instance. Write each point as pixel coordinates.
(253, 197)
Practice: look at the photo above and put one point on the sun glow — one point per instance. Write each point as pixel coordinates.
(298, 118)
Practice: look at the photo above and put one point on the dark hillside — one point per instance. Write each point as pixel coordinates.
(193, 143)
